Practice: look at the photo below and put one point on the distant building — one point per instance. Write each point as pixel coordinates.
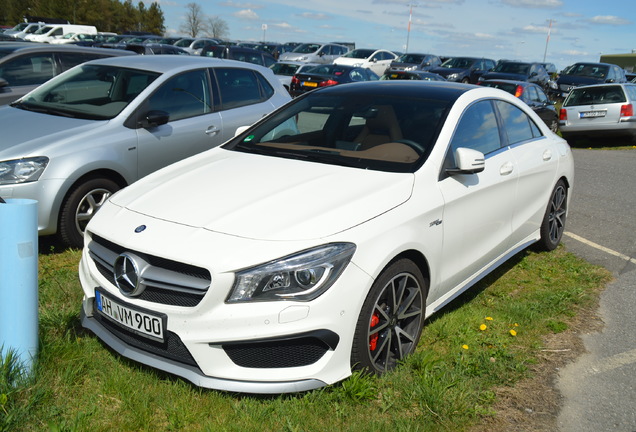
(626, 61)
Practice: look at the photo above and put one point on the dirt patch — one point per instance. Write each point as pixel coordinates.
(533, 404)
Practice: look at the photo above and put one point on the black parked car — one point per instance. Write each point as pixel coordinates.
(412, 75)
(580, 74)
(464, 69)
(531, 94)
(240, 53)
(415, 61)
(328, 75)
(519, 71)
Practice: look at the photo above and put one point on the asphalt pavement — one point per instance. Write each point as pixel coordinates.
(599, 388)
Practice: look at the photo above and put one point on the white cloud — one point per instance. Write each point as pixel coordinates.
(315, 16)
(246, 14)
(232, 4)
(608, 20)
(534, 4)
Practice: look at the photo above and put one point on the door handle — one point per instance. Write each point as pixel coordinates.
(212, 130)
(506, 168)
(547, 155)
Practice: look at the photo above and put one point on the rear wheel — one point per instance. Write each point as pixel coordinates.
(553, 224)
(390, 323)
(80, 206)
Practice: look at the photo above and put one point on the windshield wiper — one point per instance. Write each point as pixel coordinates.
(43, 110)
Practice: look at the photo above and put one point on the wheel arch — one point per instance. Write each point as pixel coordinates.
(95, 174)
(417, 258)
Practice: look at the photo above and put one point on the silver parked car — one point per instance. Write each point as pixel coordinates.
(26, 65)
(599, 110)
(107, 123)
(315, 53)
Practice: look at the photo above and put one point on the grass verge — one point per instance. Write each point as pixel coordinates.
(487, 339)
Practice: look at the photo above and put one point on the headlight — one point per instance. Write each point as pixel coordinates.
(22, 170)
(452, 77)
(302, 276)
(410, 68)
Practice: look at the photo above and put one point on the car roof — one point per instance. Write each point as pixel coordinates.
(166, 63)
(15, 47)
(505, 81)
(443, 90)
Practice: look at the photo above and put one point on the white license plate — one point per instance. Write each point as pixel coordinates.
(592, 114)
(140, 322)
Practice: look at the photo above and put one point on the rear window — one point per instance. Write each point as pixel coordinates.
(595, 96)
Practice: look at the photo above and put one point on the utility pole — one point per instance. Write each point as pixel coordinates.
(547, 40)
(408, 30)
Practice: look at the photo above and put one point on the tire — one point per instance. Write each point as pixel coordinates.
(466, 80)
(553, 224)
(391, 320)
(80, 206)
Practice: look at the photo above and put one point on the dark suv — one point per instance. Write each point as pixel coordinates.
(580, 74)
(239, 53)
(414, 61)
(26, 65)
(518, 71)
(464, 69)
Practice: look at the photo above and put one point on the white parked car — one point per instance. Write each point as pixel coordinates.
(376, 60)
(318, 240)
(104, 124)
(315, 53)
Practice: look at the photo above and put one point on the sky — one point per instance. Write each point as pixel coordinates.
(557, 31)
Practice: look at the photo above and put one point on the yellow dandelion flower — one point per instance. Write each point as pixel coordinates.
(516, 325)
(488, 318)
(513, 333)
(465, 346)
(483, 327)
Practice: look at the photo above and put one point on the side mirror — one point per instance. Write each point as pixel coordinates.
(3, 83)
(240, 130)
(154, 119)
(468, 161)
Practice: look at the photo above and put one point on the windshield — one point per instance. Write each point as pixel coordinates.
(410, 58)
(588, 70)
(43, 30)
(458, 62)
(513, 68)
(359, 53)
(595, 95)
(284, 68)
(306, 48)
(93, 92)
(386, 133)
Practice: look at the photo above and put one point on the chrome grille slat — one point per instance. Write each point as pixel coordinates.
(167, 282)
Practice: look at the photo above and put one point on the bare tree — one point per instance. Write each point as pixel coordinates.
(194, 20)
(217, 28)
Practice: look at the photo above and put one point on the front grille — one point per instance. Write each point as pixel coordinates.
(169, 282)
(172, 347)
(277, 354)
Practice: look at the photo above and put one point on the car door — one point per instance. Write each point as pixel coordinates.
(477, 207)
(535, 158)
(193, 125)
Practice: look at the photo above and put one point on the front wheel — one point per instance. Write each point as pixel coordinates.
(390, 323)
(553, 224)
(80, 206)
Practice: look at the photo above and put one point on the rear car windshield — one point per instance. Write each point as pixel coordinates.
(595, 96)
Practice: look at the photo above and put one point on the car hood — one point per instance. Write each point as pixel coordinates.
(20, 138)
(577, 80)
(266, 198)
(447, 71)
(505, 75)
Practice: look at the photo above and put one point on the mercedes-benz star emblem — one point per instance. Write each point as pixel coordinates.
(127, 272)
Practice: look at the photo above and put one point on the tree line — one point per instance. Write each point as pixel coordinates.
(107, 15)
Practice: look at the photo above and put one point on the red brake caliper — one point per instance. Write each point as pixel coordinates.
(373, 340)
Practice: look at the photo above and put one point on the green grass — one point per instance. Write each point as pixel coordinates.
(447, 385)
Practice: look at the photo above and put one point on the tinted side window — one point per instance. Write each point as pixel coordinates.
(183, 96)
(28, 69)
(69, 60)
(238, 87)
(477, 129)
(517, 124)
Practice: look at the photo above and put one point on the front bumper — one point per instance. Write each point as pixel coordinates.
(193, 373)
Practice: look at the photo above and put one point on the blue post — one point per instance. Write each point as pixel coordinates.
(19, 280)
